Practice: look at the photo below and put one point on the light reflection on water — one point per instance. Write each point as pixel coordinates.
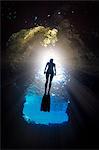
(59, 100)
(59, 82)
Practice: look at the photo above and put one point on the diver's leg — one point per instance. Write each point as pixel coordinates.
(46, 82)
(50, 83)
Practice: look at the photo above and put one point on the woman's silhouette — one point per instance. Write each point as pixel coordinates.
(50, 71)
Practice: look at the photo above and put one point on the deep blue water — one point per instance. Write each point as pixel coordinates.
(33, 114)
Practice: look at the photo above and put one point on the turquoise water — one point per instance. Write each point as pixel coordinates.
(59, 99)
(33, 114)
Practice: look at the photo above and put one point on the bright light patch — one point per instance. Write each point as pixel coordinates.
(43, 57)
(32, 113)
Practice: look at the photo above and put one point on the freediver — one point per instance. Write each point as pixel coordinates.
(50, 71)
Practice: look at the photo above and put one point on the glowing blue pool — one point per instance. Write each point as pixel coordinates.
(33, 114)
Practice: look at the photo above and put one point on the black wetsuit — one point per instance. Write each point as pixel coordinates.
(50, 70)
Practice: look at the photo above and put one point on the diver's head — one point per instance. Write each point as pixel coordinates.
(51, 60)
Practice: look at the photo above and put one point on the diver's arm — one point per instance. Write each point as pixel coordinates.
(45, 68)
(55, 70)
